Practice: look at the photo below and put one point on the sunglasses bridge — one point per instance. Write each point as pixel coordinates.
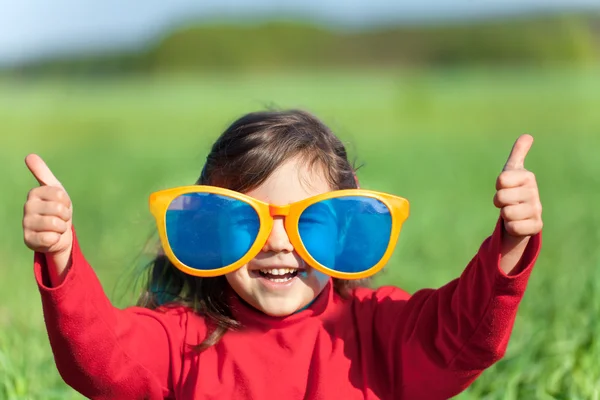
(279, 211)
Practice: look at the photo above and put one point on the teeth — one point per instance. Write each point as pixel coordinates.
(277, 271)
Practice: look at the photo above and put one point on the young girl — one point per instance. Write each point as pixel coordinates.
(252, 299)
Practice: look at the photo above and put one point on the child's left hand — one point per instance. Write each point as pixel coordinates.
(517, 194)
(518, 199)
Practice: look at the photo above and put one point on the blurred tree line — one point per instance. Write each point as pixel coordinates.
(572, 40)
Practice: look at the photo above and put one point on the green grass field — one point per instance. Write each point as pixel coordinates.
(437, 138)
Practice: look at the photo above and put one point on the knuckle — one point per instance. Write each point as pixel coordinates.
(62, 195)
(60, 209)
(30, 208)
(36, 193)
(509, 226)
(58, 224)
(52, 191)
(503, 178)
(530, 176)
(27, 221)
(63, 212)
(53, 222)
(497, 199)
(501, 196)
(34, 241)
(43, 239)
(48, 238)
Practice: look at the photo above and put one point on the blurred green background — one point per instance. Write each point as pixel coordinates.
(430, 111)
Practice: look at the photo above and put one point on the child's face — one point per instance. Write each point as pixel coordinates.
(292, 182)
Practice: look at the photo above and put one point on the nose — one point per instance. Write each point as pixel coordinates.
(278, 241)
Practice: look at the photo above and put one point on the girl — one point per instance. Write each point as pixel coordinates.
(255, 299)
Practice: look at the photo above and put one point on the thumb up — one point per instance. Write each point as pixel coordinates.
(47, 213)
(517, 195)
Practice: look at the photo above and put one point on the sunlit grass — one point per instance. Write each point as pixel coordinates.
(437, 138)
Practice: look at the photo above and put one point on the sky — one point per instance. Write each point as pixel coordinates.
(32, 29)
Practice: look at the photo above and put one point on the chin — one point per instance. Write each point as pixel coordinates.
(277, 309)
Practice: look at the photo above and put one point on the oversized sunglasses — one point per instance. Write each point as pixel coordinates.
(208, 231)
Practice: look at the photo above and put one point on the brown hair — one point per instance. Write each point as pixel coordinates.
(241, 159)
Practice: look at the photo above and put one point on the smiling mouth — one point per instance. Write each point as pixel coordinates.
(278, 275)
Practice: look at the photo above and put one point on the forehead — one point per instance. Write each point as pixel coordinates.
(293, 181)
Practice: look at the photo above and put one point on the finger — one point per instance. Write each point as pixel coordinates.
(44, 223)
(516, 159)
(515, 178)
(41, 172)
(517, 212)
(528, 227)
(41, 241)
(513, 196)
(51, 194)
(48, 208)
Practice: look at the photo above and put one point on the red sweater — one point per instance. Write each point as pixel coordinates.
(378, 344)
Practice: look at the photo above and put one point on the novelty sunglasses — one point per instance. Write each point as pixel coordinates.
(208, 231)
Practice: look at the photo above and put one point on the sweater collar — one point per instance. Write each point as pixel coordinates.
(250, 317)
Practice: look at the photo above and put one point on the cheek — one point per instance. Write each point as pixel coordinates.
(237, 281)
(319, 281)
(322, 278)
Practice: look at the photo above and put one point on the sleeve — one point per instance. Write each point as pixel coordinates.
(104, 352)
(439, 341)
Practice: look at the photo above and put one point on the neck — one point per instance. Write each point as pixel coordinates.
(248, 315)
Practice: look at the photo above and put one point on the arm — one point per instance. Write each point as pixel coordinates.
(447, 337)
(442, 340)
(104, 352)
(101, 351)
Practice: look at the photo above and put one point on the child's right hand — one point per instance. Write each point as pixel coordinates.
(47, 219)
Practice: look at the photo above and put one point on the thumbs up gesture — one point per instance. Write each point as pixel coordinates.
(47, 217)
(517, 194)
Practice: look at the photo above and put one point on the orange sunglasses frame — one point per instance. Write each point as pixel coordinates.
(159, 203)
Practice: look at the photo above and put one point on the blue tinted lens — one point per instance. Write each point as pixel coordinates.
(346, 234)
(209, 231)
